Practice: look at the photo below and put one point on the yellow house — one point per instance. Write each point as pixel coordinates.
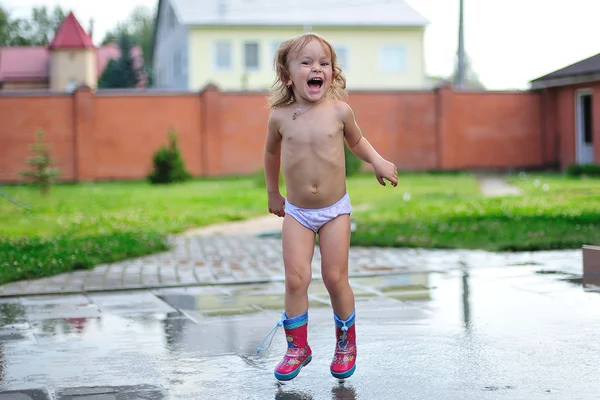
(231, 43)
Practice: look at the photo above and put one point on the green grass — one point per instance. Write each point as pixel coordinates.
(79, 226)
(555, 212)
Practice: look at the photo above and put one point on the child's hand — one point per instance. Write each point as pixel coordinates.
(387, 170)
(276, 203)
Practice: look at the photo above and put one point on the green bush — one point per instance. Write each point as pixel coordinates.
(353, 163)
(583, 170)
(169, 166)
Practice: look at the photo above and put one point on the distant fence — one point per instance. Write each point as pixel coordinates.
(113, 134)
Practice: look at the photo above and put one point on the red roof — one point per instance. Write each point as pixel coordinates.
(70, 35)
(24, 63)
(33, 63)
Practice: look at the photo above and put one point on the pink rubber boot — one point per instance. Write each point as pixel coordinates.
(298, 352)
(343, 364)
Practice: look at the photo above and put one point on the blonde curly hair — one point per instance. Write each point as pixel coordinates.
(281, 94)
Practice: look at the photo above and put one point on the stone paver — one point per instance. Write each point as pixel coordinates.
(234, 259)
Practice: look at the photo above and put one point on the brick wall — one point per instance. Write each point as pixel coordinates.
(113, 134)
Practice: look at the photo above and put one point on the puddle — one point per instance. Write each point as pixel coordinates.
(415, 286)
(249, 299)
(230, 301)
(469, 335)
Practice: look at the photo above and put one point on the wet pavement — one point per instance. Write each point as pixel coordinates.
(464, 333)
(238, 259)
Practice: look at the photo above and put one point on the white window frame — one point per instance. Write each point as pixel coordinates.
(216, 45)
(245, 55)
(345, 61)
(384, 54)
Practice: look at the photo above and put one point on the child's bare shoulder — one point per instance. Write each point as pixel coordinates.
(277, 113)
(276, 117)
(275, 121)
(342, 109)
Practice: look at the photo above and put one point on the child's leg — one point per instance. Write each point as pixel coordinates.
(298, 250)
(334, 243)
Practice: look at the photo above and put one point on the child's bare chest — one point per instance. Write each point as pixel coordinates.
(313, 131)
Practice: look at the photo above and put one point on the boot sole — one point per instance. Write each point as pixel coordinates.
(344, 375)
(293, 374)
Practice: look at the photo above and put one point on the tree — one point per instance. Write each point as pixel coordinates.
(121, 73)
(11, 33)
(42, 171)
(140, 26)
(4, 27)
(471, 79)
(38, 30)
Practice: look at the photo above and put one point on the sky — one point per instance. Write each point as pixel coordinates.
(510, 42)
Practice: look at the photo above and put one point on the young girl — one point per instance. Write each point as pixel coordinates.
(306, 130)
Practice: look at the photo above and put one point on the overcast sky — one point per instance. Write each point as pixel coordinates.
(510, 41)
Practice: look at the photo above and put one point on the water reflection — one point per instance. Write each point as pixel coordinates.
(292, 395)
(11, 313)
(338, 392)
(466, 302)
(2, 363)
(343, 392)
(174, 328)
(62, 326)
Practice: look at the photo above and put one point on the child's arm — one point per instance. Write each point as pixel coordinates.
(360, 146)
(272, 166)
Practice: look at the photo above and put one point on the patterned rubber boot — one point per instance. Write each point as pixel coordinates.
(298, 352)
(343, 364)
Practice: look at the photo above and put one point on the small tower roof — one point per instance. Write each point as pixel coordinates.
(70, 35)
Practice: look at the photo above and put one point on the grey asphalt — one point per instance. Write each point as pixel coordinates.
(483, 332)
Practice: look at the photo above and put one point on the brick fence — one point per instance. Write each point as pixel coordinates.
(113, 134)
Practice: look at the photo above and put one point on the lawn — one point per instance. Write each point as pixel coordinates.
(554, 212)
(79, 226)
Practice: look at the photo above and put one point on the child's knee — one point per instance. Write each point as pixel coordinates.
(296, 282)
(335, 280)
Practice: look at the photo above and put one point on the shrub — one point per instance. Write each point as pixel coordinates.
(353, 163)
(42, 171)
(583, 170)
(169, 166)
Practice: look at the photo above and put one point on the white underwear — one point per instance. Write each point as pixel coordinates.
(315, 218)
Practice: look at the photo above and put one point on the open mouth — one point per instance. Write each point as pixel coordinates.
(315, 83)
